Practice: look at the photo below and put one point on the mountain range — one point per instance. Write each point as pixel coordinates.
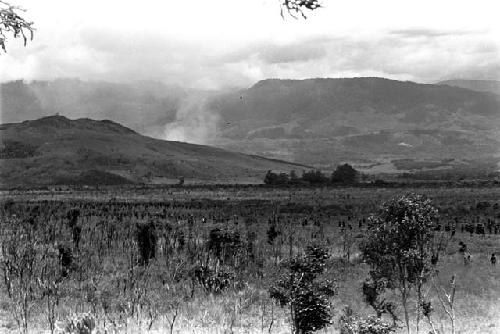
(374, 123)
(378, 125)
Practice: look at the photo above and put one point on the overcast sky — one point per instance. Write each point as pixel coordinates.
(227, 43)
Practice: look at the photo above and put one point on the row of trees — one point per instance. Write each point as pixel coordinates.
(344, 174)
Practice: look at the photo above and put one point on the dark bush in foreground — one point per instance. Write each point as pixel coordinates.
(146, 241)
(308, 297)
(212, 280)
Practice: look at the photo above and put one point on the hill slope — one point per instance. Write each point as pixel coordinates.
(367, 121)
(56, 149)
(489, 86)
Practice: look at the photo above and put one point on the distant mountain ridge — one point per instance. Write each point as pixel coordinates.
(55, 150)
(374, 123)
(367, 121)
(490, 86)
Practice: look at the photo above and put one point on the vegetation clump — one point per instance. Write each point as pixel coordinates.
(146, 241)
(212, 281)
(400, 248)
(343, 175)
(301, 288)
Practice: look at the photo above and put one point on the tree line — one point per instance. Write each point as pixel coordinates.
(343, 175)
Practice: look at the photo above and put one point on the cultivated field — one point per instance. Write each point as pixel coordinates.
(203, 259)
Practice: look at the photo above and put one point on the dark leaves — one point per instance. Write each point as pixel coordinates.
(294, 7)
(12, 23)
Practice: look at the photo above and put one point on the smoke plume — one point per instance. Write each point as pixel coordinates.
(195, 122)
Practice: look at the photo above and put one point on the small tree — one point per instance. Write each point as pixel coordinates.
(398, 247)
(224, 244)
(306, 295)
(345, 174)
(146, 240)
(54, 270)
(270, 177)
(20, 265)
(76, 231)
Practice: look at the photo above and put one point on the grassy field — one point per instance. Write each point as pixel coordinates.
(106, 279)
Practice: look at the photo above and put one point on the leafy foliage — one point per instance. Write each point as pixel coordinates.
(352, 324)
(345, 174)
(372, 290)
(307, 296)
(146, 241)
(213, 281)
(399, 248)
(80, 324)
(224, 244)
(295, 7)
(314, 177)
(398, 244)
(12, 23)
(272, 234)
(276, 179)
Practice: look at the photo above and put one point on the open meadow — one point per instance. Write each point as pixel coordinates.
(206, 259)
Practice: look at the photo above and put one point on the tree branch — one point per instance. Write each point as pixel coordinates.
(13, 23)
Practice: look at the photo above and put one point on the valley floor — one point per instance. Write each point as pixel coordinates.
(105, 277)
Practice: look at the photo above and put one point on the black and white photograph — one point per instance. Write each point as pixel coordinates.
(249, 166)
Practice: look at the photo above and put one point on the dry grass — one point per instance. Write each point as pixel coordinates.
(248, 310)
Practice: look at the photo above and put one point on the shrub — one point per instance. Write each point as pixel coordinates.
(308, 297)
(272, 234)
(212, 281)
(224, 244)
(314, 177)
(351, 324)
(80, 324)
(276, 179)
(345, 174)
(65, 259)
(146, 241)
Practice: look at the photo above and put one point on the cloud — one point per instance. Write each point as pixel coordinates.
(429, 33)
(385, 55)
(292, 53)
(112, 56)
(213, 49)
